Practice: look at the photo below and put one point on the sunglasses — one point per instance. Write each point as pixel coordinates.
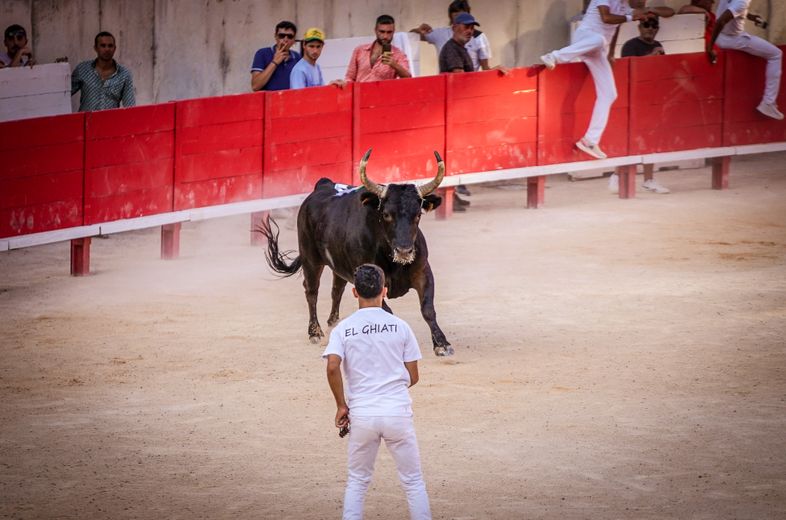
(285, 35)
(650, 25)
(18, 36)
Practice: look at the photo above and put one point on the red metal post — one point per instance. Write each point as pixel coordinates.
(445, 210)
(720, 173)
(627, 181)
(257, 238)
(536, 190)
(170, 241)
(80, 256)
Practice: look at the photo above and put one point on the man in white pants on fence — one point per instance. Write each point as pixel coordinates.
(379, 354)
(729, 33)
(593, 43)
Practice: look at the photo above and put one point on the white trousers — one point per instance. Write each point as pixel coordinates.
(758, 47)
(591, 48)
(364, 439)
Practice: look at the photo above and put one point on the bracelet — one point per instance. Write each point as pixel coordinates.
(629, 17)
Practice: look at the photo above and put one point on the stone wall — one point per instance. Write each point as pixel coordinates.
(191, 48)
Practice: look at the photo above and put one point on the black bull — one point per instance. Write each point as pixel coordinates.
(371, 224)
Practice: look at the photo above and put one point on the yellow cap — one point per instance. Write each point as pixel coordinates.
(314, 34)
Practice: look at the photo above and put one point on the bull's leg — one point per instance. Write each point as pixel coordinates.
(338, 291)
(424, 285)
(311, 275)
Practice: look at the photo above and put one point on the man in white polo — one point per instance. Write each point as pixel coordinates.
(729, 33)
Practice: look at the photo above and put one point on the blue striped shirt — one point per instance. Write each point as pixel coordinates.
(98, 94)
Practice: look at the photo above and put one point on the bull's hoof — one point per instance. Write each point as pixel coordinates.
(443, 350)
(332, 320)
(315, 339)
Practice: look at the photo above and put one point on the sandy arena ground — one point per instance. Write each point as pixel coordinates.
(614, 359)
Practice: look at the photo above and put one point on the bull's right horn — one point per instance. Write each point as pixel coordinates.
(370, 185)
(434, 184)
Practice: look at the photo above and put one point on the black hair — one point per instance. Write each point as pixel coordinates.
(103, 34)
(286, 25)
(458, 6)
(369, 281)
(14, 29)
(385, 19)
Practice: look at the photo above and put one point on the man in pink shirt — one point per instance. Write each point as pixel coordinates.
(379, 60)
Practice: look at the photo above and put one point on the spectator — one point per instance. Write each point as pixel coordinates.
(18, 52)
(478, 46)
(379, 355)
(306, 72)
(594, 43)
(273, 65)
(379, 60)
(702, 7)
(643, 45)
(103, 81)
(729, 33)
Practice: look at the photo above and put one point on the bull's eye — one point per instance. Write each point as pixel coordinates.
(387, 216)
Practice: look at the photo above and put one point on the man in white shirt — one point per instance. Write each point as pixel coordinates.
(593, 43)
(379, 355)
(729, 33)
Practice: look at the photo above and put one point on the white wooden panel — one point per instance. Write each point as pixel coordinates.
(50, 237)
(760, 148)
(250, 206)
(118, 226)
(43, 90)
(4, 245)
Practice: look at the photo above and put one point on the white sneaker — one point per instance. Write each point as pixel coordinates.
(770, 110)
(655, 186)
(614, 183)
(549, 61)
(590, 149)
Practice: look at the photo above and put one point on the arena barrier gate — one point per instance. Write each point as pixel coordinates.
(75, 176)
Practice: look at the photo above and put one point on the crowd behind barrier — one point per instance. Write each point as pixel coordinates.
(88, 168)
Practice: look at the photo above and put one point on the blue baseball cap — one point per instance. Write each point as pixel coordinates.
(465, 19)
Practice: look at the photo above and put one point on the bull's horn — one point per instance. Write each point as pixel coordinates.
(370, 185)
(434, 184)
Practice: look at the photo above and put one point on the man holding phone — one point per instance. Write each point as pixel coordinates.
(379, 60)
(273, 65)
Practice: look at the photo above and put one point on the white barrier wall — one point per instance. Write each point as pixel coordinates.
(43, 90)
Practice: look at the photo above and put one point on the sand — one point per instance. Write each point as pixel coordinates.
(614, 359)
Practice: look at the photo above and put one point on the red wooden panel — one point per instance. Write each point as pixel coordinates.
(565, 102)
(491, 121)
(137, 148)
(128, 178)
(744, 83)
(35, 160)
(217, 110)
(41, 217)
(220, 164)
(41, 131)
(394, 118)
(121, 205)
(41, 189)
(122, 122)
(203, 139)
(400, 92)
(308, 135)
(215, 191)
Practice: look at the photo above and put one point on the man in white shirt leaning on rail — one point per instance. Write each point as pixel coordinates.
(729, 33)
(379, 354)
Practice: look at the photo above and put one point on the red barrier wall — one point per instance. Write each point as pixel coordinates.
(491, 121)
(218, 156)
(41, 174)
(129, 160)
(743, 124)
(308, 135)
(404, 122)
(676, 103)
(565, 102)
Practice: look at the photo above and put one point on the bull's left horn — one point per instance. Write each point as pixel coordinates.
(370, 185)
(434, 184)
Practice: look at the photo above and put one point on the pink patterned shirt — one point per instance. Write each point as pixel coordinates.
(360, 68)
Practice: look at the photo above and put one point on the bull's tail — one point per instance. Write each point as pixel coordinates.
(281, 262)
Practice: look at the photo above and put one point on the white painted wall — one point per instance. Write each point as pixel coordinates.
(192, 48)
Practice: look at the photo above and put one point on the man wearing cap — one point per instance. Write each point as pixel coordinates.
(478, 47)
(17, 53)
(454, 56)
(306, 72)
(378, 60)
(104, 83)
(272, 66)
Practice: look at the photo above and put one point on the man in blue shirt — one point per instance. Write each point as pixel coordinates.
(273, 65)
(306, 72)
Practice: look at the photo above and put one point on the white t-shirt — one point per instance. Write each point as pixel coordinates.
(478, 47)
(373, 346)
(593, 23)
(738, 8)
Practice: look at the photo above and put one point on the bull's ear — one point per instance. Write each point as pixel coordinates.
(431, 202)
(367, 198)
